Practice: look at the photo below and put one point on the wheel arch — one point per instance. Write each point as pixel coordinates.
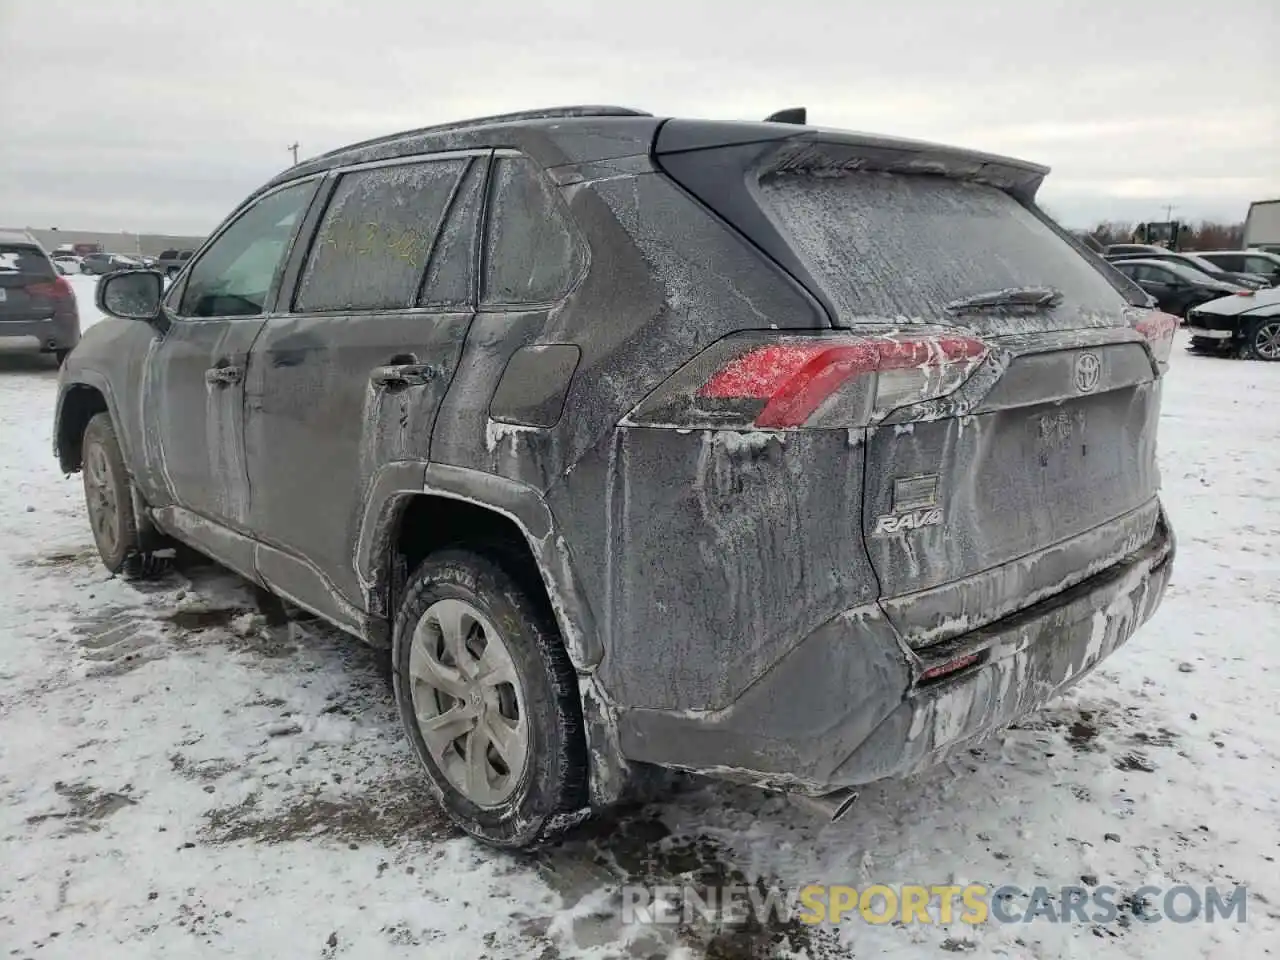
(78, 402)
(414, 507)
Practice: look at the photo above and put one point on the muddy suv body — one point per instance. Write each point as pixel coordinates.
(798, 457)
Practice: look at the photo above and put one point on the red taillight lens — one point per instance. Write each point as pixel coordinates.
(827, 381)
(56, 289)
(1158, 328)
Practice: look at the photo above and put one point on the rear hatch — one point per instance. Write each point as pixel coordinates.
(30, 286)
(1029, 462)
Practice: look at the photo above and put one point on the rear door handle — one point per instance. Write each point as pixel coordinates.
(402, 375)
(223, 376)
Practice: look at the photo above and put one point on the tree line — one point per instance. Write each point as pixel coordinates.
(1205, 235)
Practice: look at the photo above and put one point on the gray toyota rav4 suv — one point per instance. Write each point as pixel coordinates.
(787, 455)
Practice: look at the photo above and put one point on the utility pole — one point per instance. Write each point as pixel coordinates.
(1168, 212)
(293, 148)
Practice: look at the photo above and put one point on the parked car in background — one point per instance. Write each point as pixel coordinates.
(1176, 287)
(37, 303)
(1249, 325)
(1134, 249)
(1258, 262)
(1196, 262)
(621, 490)
(67, 262)
(100, 263)
(171, 262)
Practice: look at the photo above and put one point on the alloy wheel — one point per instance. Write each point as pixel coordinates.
(468, 701)
(1266, 342)
(104, 513)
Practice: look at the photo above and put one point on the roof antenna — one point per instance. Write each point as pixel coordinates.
(795, 115)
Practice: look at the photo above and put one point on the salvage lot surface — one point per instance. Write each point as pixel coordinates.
(179, 778)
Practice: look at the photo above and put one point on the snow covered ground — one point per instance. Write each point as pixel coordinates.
(177, 778)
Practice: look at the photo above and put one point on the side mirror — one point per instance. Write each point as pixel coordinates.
(131, 294)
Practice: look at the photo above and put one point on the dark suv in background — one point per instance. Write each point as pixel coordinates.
(793, 456)
(37, 304)
(171, 262)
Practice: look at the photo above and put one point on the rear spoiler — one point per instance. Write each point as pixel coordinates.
(781, 147)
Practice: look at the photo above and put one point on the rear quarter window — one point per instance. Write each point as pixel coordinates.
(885, 245)
(532, 251)
(371, 249)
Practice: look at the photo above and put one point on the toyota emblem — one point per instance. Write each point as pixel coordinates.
(1088, 372)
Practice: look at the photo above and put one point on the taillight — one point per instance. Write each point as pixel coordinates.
(59, 288)
(1158, 329)
(816, 381)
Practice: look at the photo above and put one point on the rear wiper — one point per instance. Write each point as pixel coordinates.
(1035, 297)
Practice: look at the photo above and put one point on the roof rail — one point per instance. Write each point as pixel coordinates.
(547, 113)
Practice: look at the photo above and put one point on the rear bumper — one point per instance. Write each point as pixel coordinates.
(52, 334)
(845, 707)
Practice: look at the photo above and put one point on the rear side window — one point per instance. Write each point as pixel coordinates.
(450, 276)
(886, 245)
(532, 252)
(376, 235)
(25, 261)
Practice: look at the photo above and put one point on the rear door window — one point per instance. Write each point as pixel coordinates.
(532, 252)
(376, 236)
(888, 246)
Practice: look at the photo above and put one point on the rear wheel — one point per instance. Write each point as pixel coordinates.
(488, 699)
(1264, 339)
(109, 498)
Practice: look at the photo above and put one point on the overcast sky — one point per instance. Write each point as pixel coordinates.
(161, 116)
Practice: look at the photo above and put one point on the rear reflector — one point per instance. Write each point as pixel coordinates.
(56, 289)
(950, 667)
(1158, 329)
(795, 379)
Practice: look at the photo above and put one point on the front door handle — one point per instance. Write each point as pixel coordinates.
(402, 375)
(223, 376)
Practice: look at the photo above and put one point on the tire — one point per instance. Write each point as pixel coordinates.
(1263, 341)
(108, 497)
(470, 643)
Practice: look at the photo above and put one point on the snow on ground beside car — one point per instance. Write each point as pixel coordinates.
(85, 287)
(179, 777)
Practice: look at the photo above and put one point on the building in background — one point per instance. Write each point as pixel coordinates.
(130, 244)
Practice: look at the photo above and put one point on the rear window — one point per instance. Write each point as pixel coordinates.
(884, 245)
(27, 261)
